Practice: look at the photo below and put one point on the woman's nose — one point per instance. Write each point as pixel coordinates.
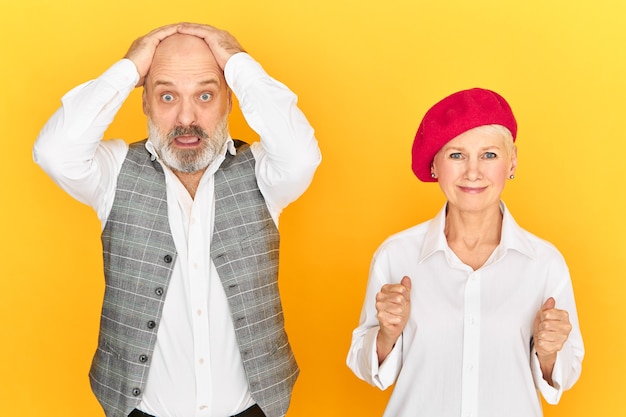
(472, 172)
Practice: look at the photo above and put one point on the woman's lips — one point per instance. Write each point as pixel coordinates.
(472, 190)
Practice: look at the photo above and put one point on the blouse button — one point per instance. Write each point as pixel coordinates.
(151, 324)
(136, 392)
(159, 291)
(167, 259)
(143, 358)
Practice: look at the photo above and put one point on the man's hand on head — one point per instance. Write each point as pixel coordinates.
(142, 49)
(223, 45)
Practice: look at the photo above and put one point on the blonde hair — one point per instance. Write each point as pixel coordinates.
(509, 143)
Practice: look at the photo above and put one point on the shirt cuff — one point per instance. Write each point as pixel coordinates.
(385, 374)
(552, 394)
(241, 70)
(123, 75)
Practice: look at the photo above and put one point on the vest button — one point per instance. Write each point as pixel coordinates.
(151, 324)
(136, 392)
(143, 358)
(159, 291)
(167, 259)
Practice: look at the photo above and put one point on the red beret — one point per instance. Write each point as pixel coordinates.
(452, 116)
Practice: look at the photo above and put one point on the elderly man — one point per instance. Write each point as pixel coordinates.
(192, 323)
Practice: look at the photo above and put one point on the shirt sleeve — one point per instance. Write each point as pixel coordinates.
(70, 149)
(363, 356)
(287, 154)
(568, 365)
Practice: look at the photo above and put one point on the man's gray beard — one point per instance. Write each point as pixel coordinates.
(192, 160)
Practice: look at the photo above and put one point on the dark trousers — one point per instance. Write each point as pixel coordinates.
(254, 411)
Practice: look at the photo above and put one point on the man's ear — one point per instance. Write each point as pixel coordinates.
(144, 102)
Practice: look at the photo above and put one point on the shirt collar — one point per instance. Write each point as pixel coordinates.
(512, 238)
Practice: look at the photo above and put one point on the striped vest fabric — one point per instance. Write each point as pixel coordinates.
(139, 256)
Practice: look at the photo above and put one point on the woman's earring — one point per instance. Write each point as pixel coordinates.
(511, 176)
(432, 175)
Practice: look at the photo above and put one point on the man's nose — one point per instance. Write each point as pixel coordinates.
(187, 113)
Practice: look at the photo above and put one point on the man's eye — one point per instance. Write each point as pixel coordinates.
(167, 97)
(205, 96)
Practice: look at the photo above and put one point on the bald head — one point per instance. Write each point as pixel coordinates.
(182, 56)
(180, 45)
(185, 65)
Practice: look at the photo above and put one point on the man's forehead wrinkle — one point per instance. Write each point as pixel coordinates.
(196, 72)
(168, 83)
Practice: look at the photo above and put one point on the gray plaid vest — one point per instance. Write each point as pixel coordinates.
(139, 255)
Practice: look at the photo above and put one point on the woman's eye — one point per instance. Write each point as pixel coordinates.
(456, 155)
(167, 97)
(490, 155)
(205, 96)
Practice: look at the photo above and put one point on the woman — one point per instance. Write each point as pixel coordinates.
(468, 314)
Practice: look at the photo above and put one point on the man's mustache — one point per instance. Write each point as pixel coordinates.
(187, 131)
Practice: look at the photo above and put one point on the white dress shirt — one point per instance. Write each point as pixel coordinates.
(466, 349)
(196, 368)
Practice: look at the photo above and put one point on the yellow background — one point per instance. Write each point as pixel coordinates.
(365, 72)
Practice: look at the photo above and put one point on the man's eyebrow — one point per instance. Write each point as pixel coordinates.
(161, 82)
(170, 83)
(209, 81)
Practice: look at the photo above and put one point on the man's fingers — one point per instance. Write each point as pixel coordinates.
(142, 50)
(164, 31)
(196, 29)
(222, 43)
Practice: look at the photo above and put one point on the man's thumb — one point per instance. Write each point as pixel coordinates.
(549, 304)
